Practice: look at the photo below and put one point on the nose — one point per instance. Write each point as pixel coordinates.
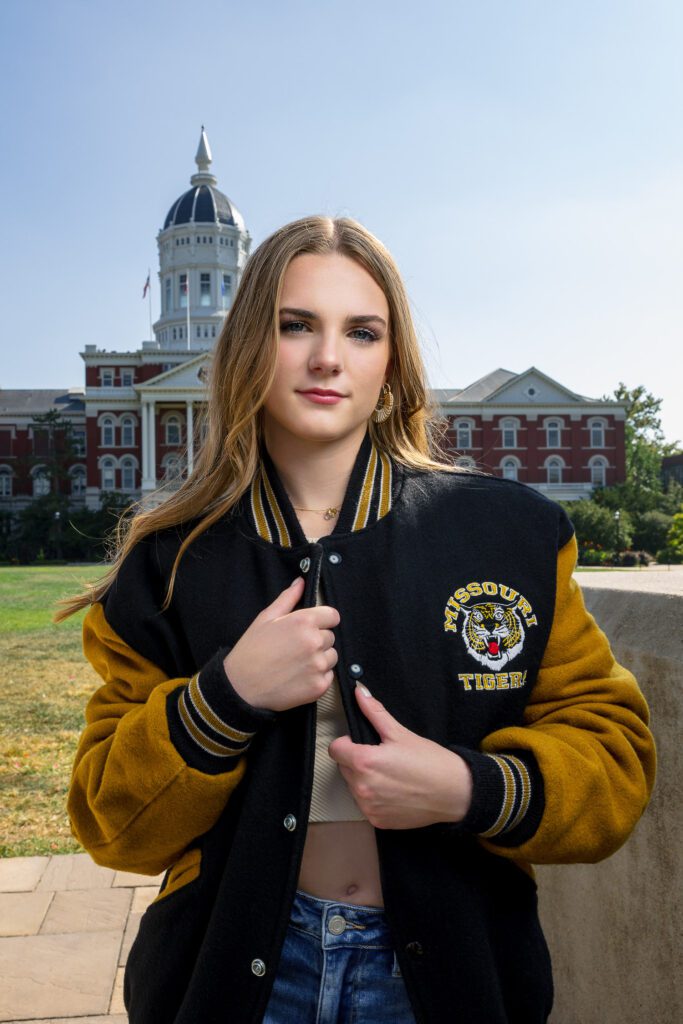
(326, 354)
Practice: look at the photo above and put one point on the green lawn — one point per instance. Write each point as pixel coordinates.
(47, 683)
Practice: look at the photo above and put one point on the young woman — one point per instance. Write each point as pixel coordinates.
(349, 692)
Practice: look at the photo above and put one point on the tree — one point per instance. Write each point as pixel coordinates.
(596, 526)
(675, 539)
(53, 448)
(645, 448)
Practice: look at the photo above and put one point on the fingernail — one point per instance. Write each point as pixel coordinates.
(363, 689)
(296, 580)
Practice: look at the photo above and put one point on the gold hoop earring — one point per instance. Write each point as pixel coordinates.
(384, 406)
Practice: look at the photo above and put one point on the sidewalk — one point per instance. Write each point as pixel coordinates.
(66, 926)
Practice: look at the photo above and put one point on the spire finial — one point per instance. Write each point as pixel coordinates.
(203, 157)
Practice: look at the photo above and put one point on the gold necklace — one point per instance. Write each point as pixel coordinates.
(328, 513)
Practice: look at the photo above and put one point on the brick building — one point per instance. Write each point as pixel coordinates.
(134, 421)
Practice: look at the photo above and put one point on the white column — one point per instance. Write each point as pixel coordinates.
(190, 436)
(152, 445)
(145, 451)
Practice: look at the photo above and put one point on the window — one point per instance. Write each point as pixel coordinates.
(553, 434)
(509, 433)
(128, 475)
(463, 432)
(598, 468)
(107, 426)
(226, 285)
(182, 295)
(597, 430)
(78, 481)
(510, 469)
(167, 289)
(108, 475)
(199, 331)
(174, 334)
(128, 431)
(107, 378)
(465, 462)
(173, 467)
(554, 471)
(172, 430)
(41, 482)
(78, 440)
(126, 378)
(5, 483)
(213, 330)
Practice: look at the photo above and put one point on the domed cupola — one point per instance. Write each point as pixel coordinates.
(203, 247)
(203, 203)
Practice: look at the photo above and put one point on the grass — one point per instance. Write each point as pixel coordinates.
(47, 683)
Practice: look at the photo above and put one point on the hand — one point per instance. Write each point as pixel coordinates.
(285, 657)
(405, 781)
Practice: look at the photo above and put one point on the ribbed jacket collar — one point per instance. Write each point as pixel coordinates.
(369, 496)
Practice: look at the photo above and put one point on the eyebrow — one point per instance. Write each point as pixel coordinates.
(309, 315)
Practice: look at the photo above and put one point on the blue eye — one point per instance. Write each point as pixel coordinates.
(370, 335)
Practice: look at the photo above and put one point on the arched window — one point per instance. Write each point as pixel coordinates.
(107, 428)
(508, 430)
(510, 469)
(5, 482)
(41, 482)
(108, 474)
(77, 475)
(173, 430)
(554, 469)
(463, 435)
(553, 434)
(597, 433)
(598, 468)
(128, 474)
(128, 431)
(172, 467)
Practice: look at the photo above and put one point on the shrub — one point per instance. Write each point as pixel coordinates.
(670, 556)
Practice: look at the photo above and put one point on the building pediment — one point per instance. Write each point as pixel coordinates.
(533, 388)
(189, 376)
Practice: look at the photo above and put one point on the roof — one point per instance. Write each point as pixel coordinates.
(203, 204)
(30, 401)
(485, 386)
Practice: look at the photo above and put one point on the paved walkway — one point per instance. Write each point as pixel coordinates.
(651, 579)
(66, 926)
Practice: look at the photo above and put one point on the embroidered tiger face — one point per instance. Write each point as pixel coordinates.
(493, 633)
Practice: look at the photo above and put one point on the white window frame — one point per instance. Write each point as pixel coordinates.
(552, 464)
(463, 435)
(172, 421)
(555, 426)
(78, 481)
(512, 426)
(593, 426)
(108, 465)
(6, 481)
(107, 378)
(42, 485)
(107, 423)
(127, 466)
(509, 468)
(128, 424)
(598, 463)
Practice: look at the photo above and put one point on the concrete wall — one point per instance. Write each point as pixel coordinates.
(615, 929)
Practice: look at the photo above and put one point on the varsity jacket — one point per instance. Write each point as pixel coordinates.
(459, 611)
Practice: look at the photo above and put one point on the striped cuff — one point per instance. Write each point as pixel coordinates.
(210, 725)
(507, 796)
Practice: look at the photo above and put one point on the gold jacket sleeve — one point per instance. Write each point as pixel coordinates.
(586, 725)
(135, 803)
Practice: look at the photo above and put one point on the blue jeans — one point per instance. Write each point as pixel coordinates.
(337, 966)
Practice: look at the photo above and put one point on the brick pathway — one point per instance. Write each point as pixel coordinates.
(66, 926)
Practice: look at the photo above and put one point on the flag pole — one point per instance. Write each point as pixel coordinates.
(188, 308)
(151, 335)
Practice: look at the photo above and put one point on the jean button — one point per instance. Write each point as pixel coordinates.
(305, 564)
(336, 924)
(334, 557)
(258, 968)
(290, 823)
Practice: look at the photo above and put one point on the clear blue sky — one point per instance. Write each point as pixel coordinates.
(522, 160)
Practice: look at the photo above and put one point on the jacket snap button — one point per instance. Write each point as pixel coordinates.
(334, 557)
(305, 564)
(336, 924)
(290, 822)
(414, 948)
(258, 967)
(356, 670)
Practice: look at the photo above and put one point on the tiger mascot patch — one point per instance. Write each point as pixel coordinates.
(492, 620)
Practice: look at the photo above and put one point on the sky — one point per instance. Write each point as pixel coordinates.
(522, 161)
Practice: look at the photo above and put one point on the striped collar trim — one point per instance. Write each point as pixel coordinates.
(369, 496)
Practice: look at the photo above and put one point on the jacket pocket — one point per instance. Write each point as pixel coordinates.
(185, 870)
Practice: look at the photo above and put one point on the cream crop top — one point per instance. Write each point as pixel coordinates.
(331, 799)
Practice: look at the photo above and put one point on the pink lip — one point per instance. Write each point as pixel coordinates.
(322, 397)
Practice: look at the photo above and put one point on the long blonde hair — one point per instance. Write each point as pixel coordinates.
(242, 371)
